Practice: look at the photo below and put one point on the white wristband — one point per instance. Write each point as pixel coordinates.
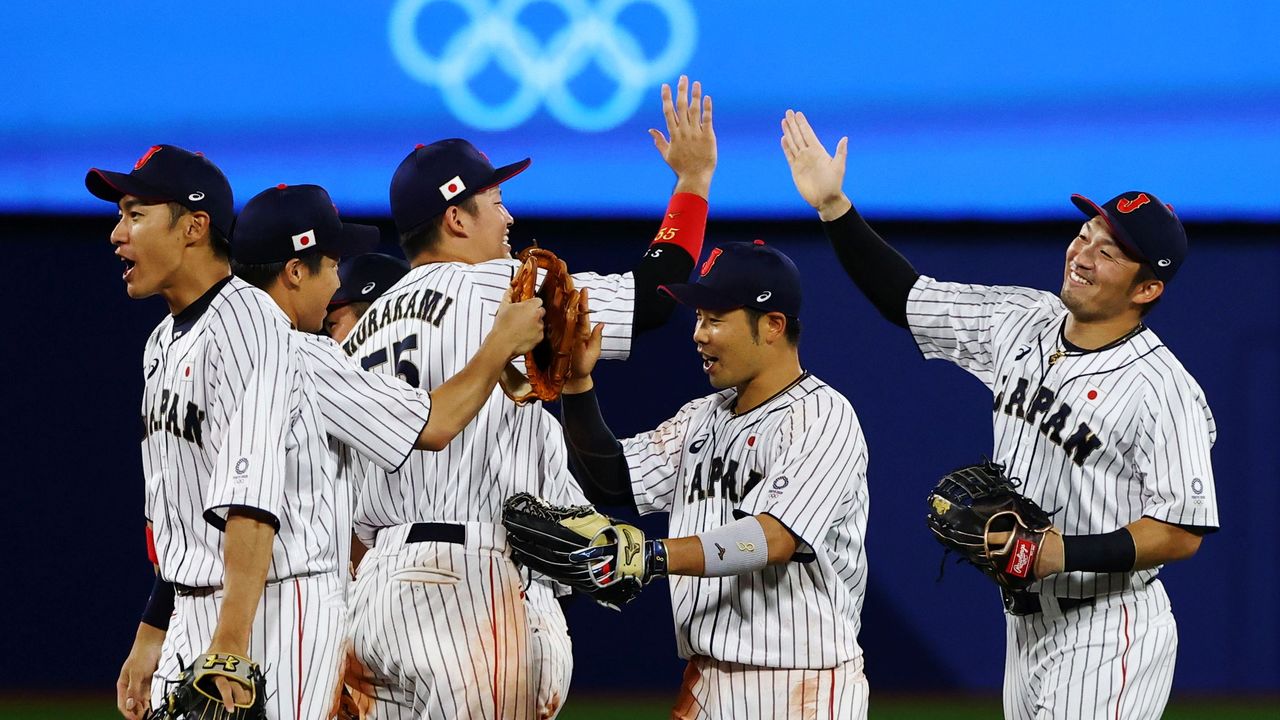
(733, 549)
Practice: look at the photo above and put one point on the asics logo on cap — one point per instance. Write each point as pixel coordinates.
(368, 288)
(764, 296)
(1164, 262)
(1127, 206)
(196, 196)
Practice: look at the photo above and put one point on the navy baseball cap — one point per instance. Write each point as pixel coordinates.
(167, 173)
(365, 277)
(743, 274)
(441, 174)
(286, 221)
(1148, 229)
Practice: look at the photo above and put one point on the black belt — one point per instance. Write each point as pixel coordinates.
(1021, 602)
(189, 591)
(437, 532)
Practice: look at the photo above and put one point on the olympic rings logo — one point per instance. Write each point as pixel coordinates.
(543, 71)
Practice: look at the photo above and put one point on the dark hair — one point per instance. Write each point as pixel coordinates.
(792, 331)
(217, 243)
(1146, 274)
(427, 235)
(360, 308)
(262, 275)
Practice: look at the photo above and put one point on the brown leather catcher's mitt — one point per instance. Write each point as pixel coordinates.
(547, 365)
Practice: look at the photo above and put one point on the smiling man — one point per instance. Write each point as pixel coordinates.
(765, 484)
(1092, 412)
(503, 649)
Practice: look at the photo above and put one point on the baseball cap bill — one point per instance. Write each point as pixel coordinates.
(167, 173)
(287, 221)
(1147, 228)
(366, 277)
(742, 274)
(433, 177)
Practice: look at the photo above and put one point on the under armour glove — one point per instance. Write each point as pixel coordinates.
(194, 695)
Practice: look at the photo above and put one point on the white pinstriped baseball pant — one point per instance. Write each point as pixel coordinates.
(1110, 660)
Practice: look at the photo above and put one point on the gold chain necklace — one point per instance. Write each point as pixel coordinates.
(1061, 352)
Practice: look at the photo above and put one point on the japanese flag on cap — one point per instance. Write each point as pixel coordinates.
(452, 187)
(304, 240)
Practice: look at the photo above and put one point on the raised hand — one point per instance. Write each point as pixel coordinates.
(818, 175)
(586, 348)
(691, 149)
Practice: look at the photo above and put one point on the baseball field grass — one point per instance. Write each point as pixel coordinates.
(651, 708)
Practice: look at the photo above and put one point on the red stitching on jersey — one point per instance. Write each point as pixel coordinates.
(1124, 660)
(297, 591)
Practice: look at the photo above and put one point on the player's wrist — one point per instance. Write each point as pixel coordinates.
(834, 207)
(696, 183)
(1107, 552)
(1050, 561)
(578, 385)
(655, 560)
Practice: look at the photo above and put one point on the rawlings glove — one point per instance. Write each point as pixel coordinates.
(544, 536)
(194, 695)
(977, 512)
(547, 364)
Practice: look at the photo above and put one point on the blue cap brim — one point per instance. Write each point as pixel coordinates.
(699, 297)
(1091, 209)
(111, 186)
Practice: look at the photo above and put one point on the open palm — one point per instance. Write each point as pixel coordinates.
(818, 175)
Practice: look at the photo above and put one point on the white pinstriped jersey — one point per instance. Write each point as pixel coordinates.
(801, 458)
(369, 418)
(427, 328)
(1104, 437)
(230, 418)
(378, 416)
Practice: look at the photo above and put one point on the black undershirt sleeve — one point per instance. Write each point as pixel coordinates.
(595, 454)
(879, 271)
(662, 264)
(159, 604)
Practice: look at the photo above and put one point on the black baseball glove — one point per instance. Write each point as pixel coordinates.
(978, 512)
(551, 539)
(194, 695)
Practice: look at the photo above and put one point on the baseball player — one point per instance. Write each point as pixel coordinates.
(287, 240)
(1092, 412)
(233, 447)
(362, 279)
(442, 625)
(765, 484)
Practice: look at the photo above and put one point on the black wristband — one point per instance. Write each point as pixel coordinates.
(1108, 552)
(159, 605)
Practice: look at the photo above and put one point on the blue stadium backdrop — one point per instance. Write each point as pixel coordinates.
(993, 109)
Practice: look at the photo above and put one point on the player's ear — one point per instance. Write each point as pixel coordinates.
(775, 327)
(1147, 292)
(195, 226)
(455, 221)
(293, 272)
